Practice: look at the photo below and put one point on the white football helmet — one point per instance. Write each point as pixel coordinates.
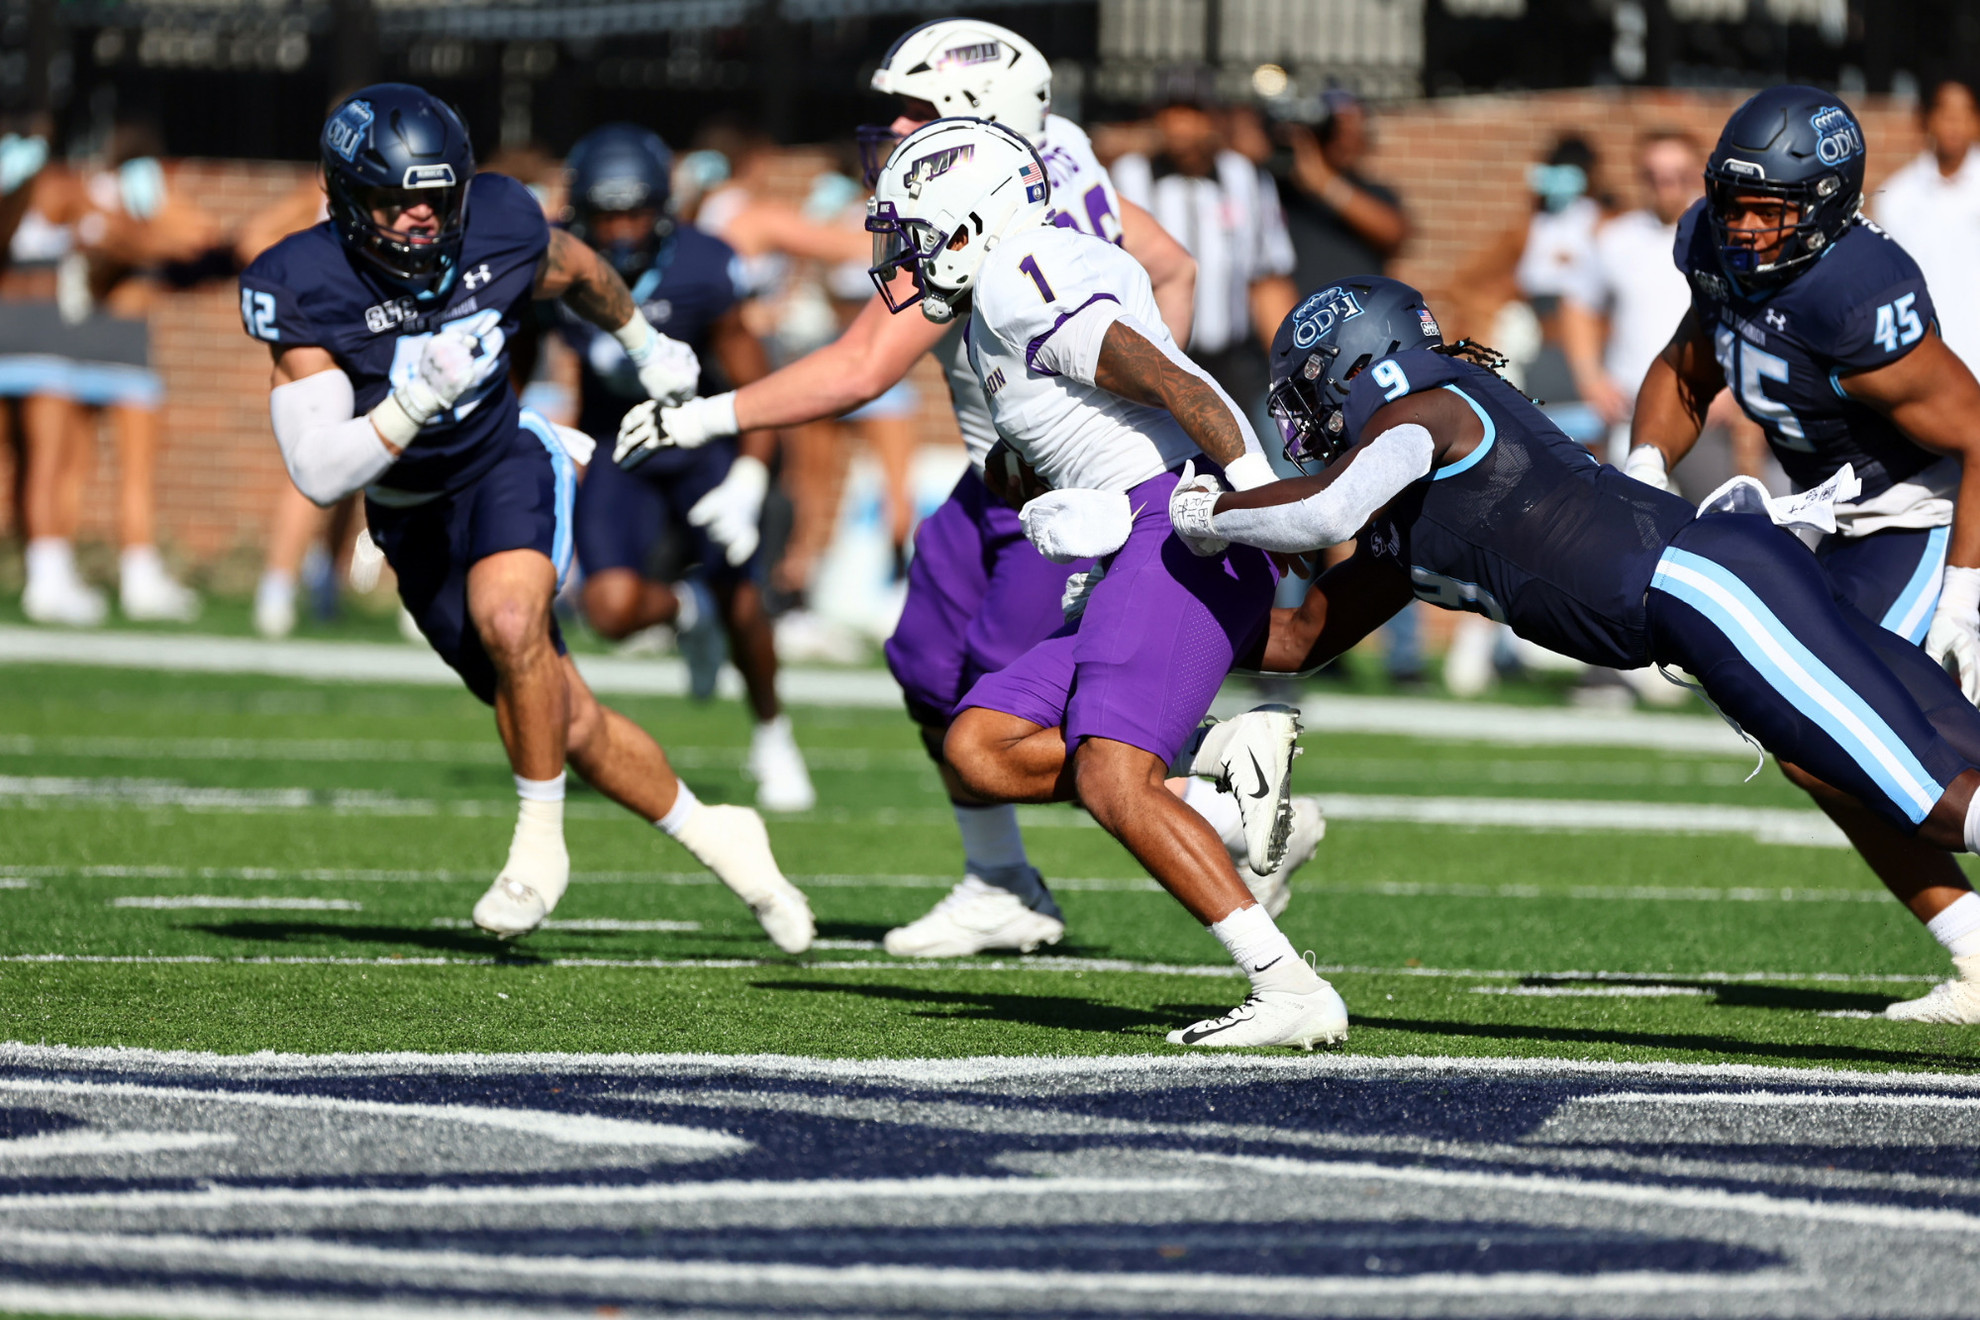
(952, 190)
(964, 66)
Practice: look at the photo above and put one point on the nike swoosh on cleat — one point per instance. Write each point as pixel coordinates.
(1194, 1034)
(1258, 770)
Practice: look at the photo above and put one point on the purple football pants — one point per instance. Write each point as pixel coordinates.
(978, 597)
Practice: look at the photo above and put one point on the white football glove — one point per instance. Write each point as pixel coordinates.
(1064, 525)
(451, 364)
(1079, 589)
(733, 509)
(1191, 505)
(652, 426)
(1954, 637)
(1646, 463)
(668, 369)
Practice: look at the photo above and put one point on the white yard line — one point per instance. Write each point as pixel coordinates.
(1778, 825)
(1592, 992)
(62, 1145)
(972, 1071)
(171, 901)
(198, 1304)
(590, 924)
(1033, 965)
(873, 688)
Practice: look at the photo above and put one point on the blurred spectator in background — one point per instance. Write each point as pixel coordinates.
(1932, 208)
(1224, 210)
(108, 230)
(1340, 221)
(780, 247)
(1618, 307)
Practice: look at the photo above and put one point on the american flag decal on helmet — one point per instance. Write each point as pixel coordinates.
(1033, 179)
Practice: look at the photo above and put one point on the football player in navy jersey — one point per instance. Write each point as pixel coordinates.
(685, 282)
(1824, 330)
(1457, 490)
(388, 326)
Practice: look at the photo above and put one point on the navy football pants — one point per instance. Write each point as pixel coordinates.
(1892, 576)
(1747, 609)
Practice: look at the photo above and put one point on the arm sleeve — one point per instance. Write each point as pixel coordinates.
(1383, 468)
(328, 452)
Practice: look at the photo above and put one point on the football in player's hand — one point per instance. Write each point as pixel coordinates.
(1010, 478)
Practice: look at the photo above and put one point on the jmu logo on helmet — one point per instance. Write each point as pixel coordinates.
(347, 130)
(1840, 140)
(1321, 313)
(977, 52)
(937, 163)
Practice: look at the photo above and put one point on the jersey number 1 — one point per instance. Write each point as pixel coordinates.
(1030, 267)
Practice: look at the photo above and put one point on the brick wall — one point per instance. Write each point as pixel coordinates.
(1458, 163)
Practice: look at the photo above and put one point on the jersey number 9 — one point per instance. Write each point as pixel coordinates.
(1390, 376)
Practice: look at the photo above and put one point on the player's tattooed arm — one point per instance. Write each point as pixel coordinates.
(573, 272)
(1140, 372)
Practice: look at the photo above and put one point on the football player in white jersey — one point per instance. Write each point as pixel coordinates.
(978, 594)
(1096, 401)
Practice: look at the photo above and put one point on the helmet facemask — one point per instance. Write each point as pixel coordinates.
(423, 257)
(903, 246)
(1815, 209)
(1309, 408)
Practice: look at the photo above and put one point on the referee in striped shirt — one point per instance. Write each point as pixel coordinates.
(1225, 211)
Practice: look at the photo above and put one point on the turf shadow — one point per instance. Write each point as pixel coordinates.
(1749, 995)
(439, 940)
(1718, 1046)
(848, 930)
(1061, 1012)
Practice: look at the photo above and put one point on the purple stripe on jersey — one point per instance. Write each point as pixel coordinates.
(1031, 349)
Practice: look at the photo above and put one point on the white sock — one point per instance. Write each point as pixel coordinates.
(685, 805)
(50, 558)
(275, 584)
(993, 852)
(1972, 810)
(1220, 809)
(537, 856)
(1958, 926)
(1266, 955)
(991, 841)
(687, 612)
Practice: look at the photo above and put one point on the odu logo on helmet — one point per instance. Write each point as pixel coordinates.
(1321, 313)
(347, 131)
(1840, 141)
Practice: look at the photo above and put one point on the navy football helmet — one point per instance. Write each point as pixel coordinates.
(621, 168)
(1803, 147)
(387, 149)
(1327, 340)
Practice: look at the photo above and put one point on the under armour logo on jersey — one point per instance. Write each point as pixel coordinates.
(477, 277)
(1319, 314)
(1776, 319)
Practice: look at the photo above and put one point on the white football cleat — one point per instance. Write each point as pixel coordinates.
(731, 842)
(67, 602)
(1309, 826)
(523, 896)
(1273, 1017)
(1955, 1002)
(149, 595)
(782, 782)
(1250, 756)
(975, 917)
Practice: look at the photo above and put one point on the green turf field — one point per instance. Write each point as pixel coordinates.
(364, 821)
